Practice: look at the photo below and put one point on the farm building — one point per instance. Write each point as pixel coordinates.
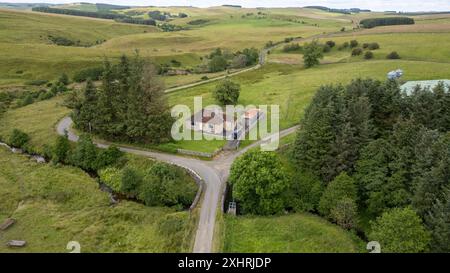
(215, 122)
(409, 87)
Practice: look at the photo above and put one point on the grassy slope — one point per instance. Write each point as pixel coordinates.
(55, 205)
(24, 44)
(295, 233)
(292, 86)
(38, 120)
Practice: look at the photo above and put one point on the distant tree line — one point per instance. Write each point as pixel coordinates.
(103, 15)
(343, 11)
(232, 6)
(137, 21)
(74, 12)
(129, 105)
(388, 21)
(157, 15)
(108, 7)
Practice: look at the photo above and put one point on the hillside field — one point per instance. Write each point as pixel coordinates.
(296, 233)
(54, 205)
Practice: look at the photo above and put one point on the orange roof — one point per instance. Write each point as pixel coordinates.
(251, 113)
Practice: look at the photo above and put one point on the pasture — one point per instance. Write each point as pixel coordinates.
(295, 233)
(29, 55)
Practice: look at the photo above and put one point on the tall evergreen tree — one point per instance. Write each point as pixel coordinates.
(315, 139)
(88, 112)
(433, 177)
(107, 92)
(129, 106)
(437, 221)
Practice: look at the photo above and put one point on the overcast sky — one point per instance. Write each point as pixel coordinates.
(379, 5)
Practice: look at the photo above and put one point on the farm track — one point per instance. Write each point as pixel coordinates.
(262, 61)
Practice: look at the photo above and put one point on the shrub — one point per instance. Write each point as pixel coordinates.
(130, 182)
(227, 92)
(365, 45)
(400, 231)
(107, 157)
(61, 149)
(64, 79)
(374, 46)
(61, 41)
(252, 55)
(18, 139)
(393, 55)
(353, 43)
(46, 95)
(312, 54)
(27, 100)
(259, 181)
(164, 186)
(112, 178)
(93, 73)
(239, 61)
(198, 22)
(85, 154)
(291, 47)
(217, 64)
(175, 63)
(305, 192)
(357, 51)
(36, 82)
(368, 55)
(331, 44)
(326, 48)
(343, 186)
(345, 213)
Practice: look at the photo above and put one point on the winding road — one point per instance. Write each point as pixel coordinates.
(214, 173)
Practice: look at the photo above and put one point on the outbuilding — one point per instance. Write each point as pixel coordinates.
(410, 86)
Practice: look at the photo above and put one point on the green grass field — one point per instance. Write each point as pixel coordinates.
(295, 233)
(425, 55)
(292, 87)
(54, 205)
(27, 53)
(38, 120)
